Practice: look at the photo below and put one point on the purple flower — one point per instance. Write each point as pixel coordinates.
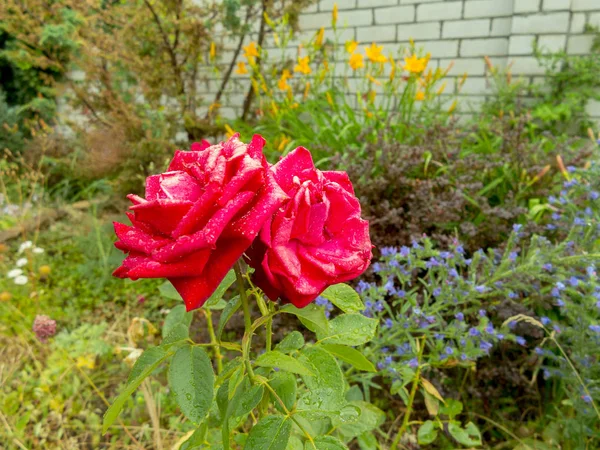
(379, 306)
(388, 251)
(453, 273)
(481, 289)
(489, 328)
(430, 319)
(44, 327)
(586, 398)
(432, 263)
(517, 227)
(511, 294)
(448, 350)
(545, 321)
(594, 195)
(413, 363)
(558, 302)
(376, 267)
(552, 199)
(362, 286)
(385, 349)
(547, 267)
(460, 316)
(539, 351)
(512, 324)
(389, 360)
(437, 292)
(579, 221)
(463, 357)
(468, 261)
(460, 249)
(595, 328)
(438, 336)
(591, 271)
(389, 323)
(556, 216)
(573, 281)
(401, 293)
(485, 346)
(403, 349)
(482, 313)
(520, 340)
(512, 256)
(404, 251)
(474, 332)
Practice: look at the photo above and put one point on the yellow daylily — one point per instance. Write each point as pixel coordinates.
(356, 61)
(319, 37)
(334, 15)
(414, 64)
(282, 83)
(241, 68)
(329, 99)
(393, 71)
(374, 53)
(285, 140)
(306, 90)
(251, 51)
(351, 46)
(452, 107)
(373, 80)
(303, 66)
(213, 51)
(229, 131)
(420, 96)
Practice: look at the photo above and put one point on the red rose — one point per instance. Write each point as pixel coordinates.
(314, 240)
(199, 217)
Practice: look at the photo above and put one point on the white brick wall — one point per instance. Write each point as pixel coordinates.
(460, 32)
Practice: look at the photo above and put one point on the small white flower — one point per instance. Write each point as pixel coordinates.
(21, 280)
(21, 262)
(14, 273)
(133, 356)
(38, 250)
(25, 246)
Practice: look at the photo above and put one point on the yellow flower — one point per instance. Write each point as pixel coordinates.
(334, 14)
(452, 107)
(282, 84)
(251, 51)
(285, 140)
(306, 90)
(393, 71)
(88, 361)
(420, 96)
(356, 61)
(441, 89)
(229, 131)
(351, 46)
(294, 105)
(213, 106)
(319, 37)
(241, 68)
(213, 50)
(373, 80)
(45, 270)
(274, 108)
(303, 66)
(374, 53)
(414, 64)
(5, 296)
(329, 99)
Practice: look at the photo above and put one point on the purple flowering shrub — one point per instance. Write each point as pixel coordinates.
(532, 306)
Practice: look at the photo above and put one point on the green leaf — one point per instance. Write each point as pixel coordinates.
(367, 441)
(452, 408)
(217, 295)
(344, 297)
(311, 316)
(270, 433)
(351, 356)
(295, 444)
(282, 361)
(143, 367)
(326, 443)
(285, 386)
(167, 290)
(177, 315)
(191, 378)
(325, 389)
(293, 341)
(232, 306)
(349, 329)
(178, 333)
(427, 433)
(469, 436)
(249, 399)
(370, 418)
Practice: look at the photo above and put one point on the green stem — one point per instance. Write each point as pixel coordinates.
(213, 339)
(411, 398)
(247, 320)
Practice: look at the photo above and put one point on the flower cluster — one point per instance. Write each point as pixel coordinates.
(299, 227)
(26, 253)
